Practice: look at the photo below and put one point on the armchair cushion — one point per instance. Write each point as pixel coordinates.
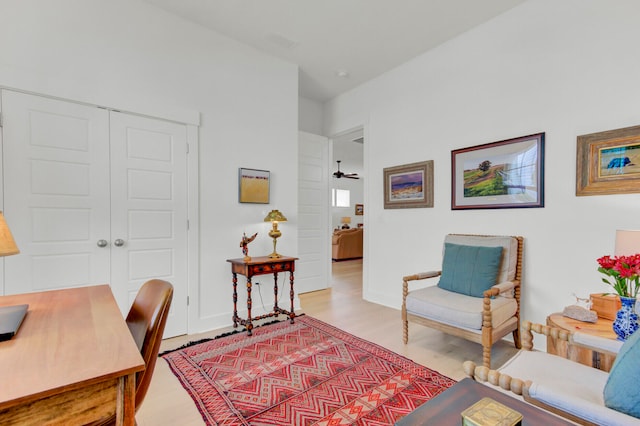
(469, 270)
(621, 391)
(458, 309)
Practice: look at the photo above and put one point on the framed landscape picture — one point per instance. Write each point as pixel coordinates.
(409, 186)
(253, 186)
(498, 175)
(608, 162)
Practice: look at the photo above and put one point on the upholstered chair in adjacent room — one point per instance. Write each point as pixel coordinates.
(478, 293)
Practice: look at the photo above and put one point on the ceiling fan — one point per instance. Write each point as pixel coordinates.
(340, 174)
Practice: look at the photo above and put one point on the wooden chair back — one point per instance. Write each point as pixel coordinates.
(146, 320)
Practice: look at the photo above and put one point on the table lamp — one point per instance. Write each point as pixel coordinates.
(10, 316)
(345, 221)
(274, 217)
(7, 244)
(627, 242)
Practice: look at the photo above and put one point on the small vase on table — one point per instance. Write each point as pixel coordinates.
(626, 322)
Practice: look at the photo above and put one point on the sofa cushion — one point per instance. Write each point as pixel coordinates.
(621, 392)
(581, 396)
(469, 270)
(458, 310)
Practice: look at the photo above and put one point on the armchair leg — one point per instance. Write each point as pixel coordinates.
(516, 338)
(405, 331)
(486, 356)
(405, 321)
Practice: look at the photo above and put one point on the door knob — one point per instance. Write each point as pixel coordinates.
(102, 243)
(118, 243)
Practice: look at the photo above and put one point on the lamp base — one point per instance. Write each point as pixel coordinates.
(274, 255)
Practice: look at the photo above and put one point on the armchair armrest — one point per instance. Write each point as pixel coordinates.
(422, 276)
(502, 288)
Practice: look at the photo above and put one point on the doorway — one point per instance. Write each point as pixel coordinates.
(348, 209)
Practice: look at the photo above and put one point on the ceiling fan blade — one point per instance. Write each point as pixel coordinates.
(351, 177)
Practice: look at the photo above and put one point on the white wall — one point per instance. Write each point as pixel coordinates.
(566, 68)
(310, 116)
(130, 55)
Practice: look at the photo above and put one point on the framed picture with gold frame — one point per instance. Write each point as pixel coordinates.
(409, 186)
(253, 186)
(359, 209)
(608, 162)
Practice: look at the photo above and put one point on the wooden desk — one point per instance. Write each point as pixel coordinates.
(446, 409)
(260, 266)
(73, 360)
(603, 328)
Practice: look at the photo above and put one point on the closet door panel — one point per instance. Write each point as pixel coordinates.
(56, 192)
(149, 210)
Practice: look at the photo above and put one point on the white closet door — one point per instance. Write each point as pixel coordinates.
(149, 210)
(56, 194)
(314, 232)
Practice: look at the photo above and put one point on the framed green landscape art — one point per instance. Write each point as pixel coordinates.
(499, 175)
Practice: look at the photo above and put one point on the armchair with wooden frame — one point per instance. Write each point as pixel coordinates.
(478, 295)
(578, 392)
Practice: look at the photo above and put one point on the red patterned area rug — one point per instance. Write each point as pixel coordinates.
(306, 373)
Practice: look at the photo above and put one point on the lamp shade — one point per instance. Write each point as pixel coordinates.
(345, 219)
(275, 216)
(627, 242)
(7, 244)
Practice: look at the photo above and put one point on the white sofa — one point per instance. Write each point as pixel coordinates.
(562, 386)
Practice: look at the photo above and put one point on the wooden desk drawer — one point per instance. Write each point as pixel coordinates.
(269, 267)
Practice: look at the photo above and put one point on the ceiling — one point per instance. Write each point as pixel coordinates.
(339, 44)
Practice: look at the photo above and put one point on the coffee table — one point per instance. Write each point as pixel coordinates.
(446, 408)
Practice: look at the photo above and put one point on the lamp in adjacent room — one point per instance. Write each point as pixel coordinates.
(274, 217)
(345, 221)
(7, 244)
(627, 242)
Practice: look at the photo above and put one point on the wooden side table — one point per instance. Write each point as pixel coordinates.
(260, 266)
(602, 328)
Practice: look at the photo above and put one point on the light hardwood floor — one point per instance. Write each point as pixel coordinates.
(167, 403)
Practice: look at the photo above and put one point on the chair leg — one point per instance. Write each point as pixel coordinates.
(486, 356)
(405, 331)
(516, 338)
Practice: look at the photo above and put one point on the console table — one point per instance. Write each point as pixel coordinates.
(260, 266)
(602, 328)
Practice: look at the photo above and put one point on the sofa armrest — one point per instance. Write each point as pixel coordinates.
(596, 343)
(481, 373)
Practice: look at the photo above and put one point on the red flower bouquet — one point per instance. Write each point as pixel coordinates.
(625, 272)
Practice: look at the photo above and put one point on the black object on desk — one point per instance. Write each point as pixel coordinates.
(10, 319)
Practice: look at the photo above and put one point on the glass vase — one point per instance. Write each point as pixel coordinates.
(626, 322)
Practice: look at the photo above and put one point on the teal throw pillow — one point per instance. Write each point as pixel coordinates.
(622, 392)
(469, 270)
